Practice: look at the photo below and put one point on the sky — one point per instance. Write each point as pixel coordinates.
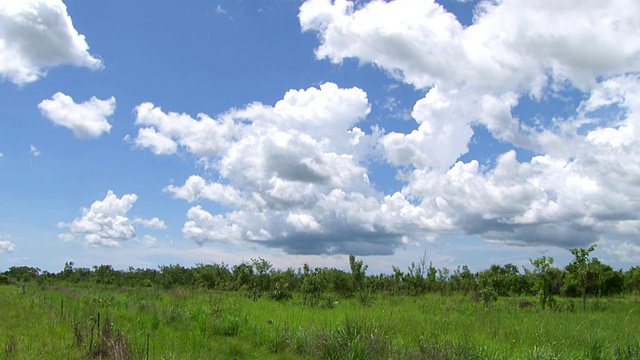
(146, 133)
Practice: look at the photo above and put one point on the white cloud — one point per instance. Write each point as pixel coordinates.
(149, 241)
(280, 166)
(626, 251)
(87, 119)
(510, 45)
(153, 223)
(477, 74)
(435, 143)
(106, 223)
(283, 197)
(158, 143)
(6, 245)
(34, 151)
(203, 227)
(220, 9)
(36, 35)
(164, 132)
(303, 222)
(590, 196)
(296, 174)
(196, 188)
(583, 185)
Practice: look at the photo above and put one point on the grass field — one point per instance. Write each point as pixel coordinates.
(77, 323)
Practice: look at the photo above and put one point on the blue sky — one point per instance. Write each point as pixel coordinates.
(143, 133)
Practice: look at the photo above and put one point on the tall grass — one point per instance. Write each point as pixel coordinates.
(197, 324)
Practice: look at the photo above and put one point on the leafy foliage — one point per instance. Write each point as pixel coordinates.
(583, 277)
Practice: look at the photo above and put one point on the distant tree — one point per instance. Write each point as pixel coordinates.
(4, 279)
(311, 287)
(488, 287)
(444, 281)
(23, 273)
(420, 275)
(544, 279)
(141, 277)
(503, 280)
(242, 275)
(175, 275)
(262, 269)
(67, 272)
(212, 276)
(632, 280)
(399, 285)
(468, 281)
(105, 274)
(358, 272)
(609, 282)
(583, 271)
(285, 279)
(337, 281)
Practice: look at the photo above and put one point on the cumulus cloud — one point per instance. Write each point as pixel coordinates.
(550, 200)
(509, 45)
(87, 119)
(590, 196)
(196, 188)
(149, 241)
(295, 175)
(574, 192)
(6, 245)
(36, 35)
(285, 170)
(203, 227)
(476, 74)
(153, 223)
(105, 222)
(34, 151)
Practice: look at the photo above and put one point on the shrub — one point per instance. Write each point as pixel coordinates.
(281, 293)
(4, 279)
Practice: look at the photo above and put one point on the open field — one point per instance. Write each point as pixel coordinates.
(135, 323)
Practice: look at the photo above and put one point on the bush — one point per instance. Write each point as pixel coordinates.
(281, 293)
(4, 280)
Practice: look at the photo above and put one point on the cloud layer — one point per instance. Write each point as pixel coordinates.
(86, 120)
(295, 175)
(36, 35)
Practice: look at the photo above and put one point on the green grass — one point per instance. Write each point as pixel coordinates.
(193, 324)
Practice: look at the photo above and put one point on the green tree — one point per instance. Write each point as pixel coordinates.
(632, 280)
(358, 272)
(4, 279)
(583, 271)
(609, 281)
(242, 275)
(488, 287)
(544, 280)
(105, 274)
(262, 269)
(311, 288)
(175, 275)
(212, 276)
(23, 273)
(420, 275)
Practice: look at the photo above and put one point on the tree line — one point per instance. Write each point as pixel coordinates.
(585, 276)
